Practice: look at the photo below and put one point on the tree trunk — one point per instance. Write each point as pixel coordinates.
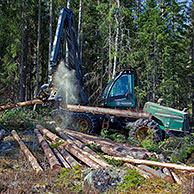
(102, 70)
(50, 33)
(153, 163)
(116, 40)
(192, 57)
(110, 53)
(27, 152)
(53, 161)
(20, 104)
(62, 160)
(110, 48)
(139, 8)
(165, 170)
(71, 148)
(66, 47)
(71, 161)
(176, 178)
(109, 111)
(86, 150)
(22, 88)
(162, 7)
(123, 153)
(79, 24)
(141, 172)
(155, 173)
(38, 51)
(26, 50)
(89, 139)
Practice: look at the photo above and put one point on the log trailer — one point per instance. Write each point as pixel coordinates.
(117, 104)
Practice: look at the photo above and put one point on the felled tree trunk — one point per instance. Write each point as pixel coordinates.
(71, 161)
(155, 173)
(176, 178)
(60, 157)
(74, 150)
(141, 172)
(53, 161)
(119, 152)
(27, 152)
(165, 170)
(153, 163)
(109, 111)
(20, 104)
(86, 150)
(89, 139)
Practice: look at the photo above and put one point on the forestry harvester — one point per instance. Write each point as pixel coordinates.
(117, 104)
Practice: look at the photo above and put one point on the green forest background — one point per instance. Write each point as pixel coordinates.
(156, 39)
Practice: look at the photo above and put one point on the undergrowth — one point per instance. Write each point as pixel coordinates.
(70, 179)
(132, 180)
(175, 149)
(21, 118)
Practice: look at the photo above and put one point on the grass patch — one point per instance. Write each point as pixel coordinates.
(132, 180)
(70, 179)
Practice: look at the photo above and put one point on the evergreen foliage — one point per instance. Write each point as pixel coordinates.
(157, 42)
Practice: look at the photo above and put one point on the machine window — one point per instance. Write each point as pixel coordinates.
(122, 86)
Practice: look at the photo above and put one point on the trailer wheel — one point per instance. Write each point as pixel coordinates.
(146, 129)
(86, 123)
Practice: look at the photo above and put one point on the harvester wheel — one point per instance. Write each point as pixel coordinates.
(144, 129)
(86, 123)
(77, 121)
(59, 120)
(61, 117)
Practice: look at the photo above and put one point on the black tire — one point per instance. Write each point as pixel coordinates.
(144, 129)
(62, 118)
(77, 121)
(86, 123)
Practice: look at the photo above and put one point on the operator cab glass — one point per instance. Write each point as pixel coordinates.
(123, 86)
(120, 91)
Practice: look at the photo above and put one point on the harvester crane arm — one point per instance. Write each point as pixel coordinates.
(65, 28)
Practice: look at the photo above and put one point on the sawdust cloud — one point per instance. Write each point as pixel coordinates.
(66, 81)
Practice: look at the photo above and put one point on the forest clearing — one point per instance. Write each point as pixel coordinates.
(97, 96)
(36, 159)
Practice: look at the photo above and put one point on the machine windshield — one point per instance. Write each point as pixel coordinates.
(107, 88)
(123, 86)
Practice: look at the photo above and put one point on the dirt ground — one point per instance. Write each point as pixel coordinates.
(18, 177)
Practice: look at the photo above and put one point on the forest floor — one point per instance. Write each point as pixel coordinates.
(17, 175)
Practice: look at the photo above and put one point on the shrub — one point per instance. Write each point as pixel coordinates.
(71, 179)
(132, 180)
(150, 145)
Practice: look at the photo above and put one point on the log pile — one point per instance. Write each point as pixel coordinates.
(74, 148)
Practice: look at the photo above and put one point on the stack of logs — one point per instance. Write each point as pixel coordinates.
(71, 149)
